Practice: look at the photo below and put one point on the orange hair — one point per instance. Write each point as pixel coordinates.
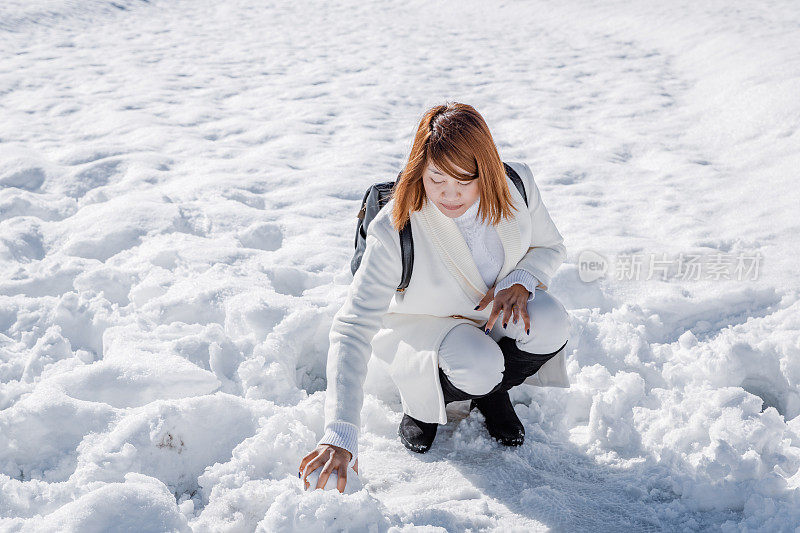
(451, 135)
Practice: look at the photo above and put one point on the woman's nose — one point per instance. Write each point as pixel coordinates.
(451, 193)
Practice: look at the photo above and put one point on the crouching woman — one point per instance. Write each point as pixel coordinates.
(476, 318)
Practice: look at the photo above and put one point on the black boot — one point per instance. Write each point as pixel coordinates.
(417, 435)
(501, 420)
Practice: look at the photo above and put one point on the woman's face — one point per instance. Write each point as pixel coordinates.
(451, 196)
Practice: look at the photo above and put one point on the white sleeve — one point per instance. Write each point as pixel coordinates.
(546, 251)
(352, 330)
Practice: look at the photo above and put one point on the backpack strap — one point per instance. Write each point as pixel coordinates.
(407, 252)
(511, 173)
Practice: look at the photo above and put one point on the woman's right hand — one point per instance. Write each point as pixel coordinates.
(330, 458)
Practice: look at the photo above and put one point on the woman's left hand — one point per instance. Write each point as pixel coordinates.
(512, 301)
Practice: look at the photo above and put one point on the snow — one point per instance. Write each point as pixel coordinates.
(178, 186)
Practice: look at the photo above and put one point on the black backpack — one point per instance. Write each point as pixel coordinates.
(377, 196)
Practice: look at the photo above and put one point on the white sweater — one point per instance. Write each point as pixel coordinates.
(487, 252)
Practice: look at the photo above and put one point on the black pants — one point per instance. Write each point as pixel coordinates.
(519, 365)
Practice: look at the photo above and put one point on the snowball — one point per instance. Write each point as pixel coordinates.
(353, 481)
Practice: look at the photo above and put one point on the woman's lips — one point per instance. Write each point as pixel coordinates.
(452, 208)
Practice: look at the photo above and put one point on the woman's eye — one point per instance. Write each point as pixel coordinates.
(437, 182)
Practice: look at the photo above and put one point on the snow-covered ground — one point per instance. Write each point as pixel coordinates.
(178, 186)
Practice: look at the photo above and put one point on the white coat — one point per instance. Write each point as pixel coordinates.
(404, 330)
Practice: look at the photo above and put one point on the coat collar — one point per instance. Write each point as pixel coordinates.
(455, 253)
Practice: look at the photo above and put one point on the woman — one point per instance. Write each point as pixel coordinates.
(475, 319)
